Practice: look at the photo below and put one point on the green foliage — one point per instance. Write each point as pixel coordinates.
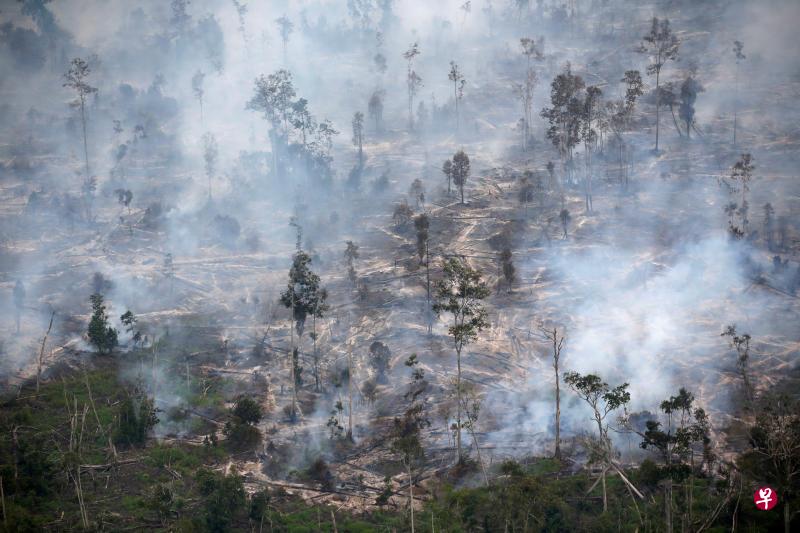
(223, 499)
(101, 335)
(303, 292)
(459, 293)
(459, 171)
(240, 430)
(137, 416)
(380, 358)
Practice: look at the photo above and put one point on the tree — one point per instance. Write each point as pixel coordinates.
(422, 224)
(286, 27)
(19, 301)
(769, 225)
(210, 153)
(738, 46)
(358, 135)
(621, 112)
(417, 192)
(375, 108)
(558, 343)
(507, 263)
(350, 256)
(301, 119)
(460, 293)
(524, 92)
(101, 335)
(565, 218)
(137, 416)
(774, 454)
(689, 90)
(305, 297)
(413, 81)
(273, 97)
(565, 115)
(406, 438)
(602, 400)
(739, 180)
(180, 18)
(402, 213)
(222, 498)
(674, 441)
(447, 169)
(240, 429)
(457, 77)
(460, 171)
(589, 136)
(197, 89)
(380, 357)
(661, 44)
(76, 79)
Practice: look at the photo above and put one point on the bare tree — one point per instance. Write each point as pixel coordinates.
(738, 46)
(457, 77)
(661, 44)
(557, 341)
(210, 154)
(413, 81)
(358, 135)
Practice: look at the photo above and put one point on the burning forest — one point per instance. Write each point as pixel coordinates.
(392, 265)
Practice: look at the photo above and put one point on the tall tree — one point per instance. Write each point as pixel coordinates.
(738, 47)
(286, 27)
(460, 293)
(413, 81)
(358, 135)
(602, 400)
(406, 437)
(77, 79)
(565, 114)
(460, 171)
(557, 340)
(350, 256)
(273, 97)
(422, 224)
(524, 91)
(591, 104)
(210, 154)
(375, 108)
(457, 77)
(198, 90)
(305, 297)
(101, 334)
(684, 427)
(447, 170)
(661, 44)
(689, 89)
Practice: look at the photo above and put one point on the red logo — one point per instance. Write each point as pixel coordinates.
(765, 498)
